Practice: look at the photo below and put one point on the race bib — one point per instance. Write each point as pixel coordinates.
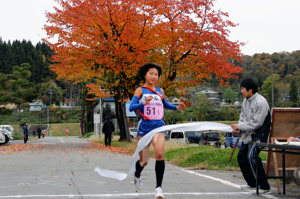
(154, 110)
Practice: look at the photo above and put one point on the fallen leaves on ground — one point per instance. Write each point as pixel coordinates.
(83, 148)
(16, 148)
(113, 149)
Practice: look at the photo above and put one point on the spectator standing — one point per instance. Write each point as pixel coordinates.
(50, 133)
(108, 128)
(25, 128)
(43, 133)
(33, 133)
(39, 131)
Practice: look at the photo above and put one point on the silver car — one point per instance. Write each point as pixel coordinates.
(133, 132)
(6, 136)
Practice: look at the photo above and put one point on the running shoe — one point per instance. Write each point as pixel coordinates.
(138, 183)
(246, 187)
(262, 191)
(158, 193)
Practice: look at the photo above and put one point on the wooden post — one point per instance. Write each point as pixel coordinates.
(237, 141)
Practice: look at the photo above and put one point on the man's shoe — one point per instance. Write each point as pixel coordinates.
(158, 193)
(262, 191)
(246, 187)
(138, 183)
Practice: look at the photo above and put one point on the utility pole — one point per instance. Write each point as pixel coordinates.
(50, 92)
(272, 85)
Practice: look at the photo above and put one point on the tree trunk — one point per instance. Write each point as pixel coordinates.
(122, 121)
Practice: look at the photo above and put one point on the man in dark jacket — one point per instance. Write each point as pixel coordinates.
(25, 131)
(108, 128)
(39, 131)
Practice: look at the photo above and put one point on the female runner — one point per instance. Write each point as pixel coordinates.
(148, 100)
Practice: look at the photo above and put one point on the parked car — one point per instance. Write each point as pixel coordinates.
(178, 137)
(9, 128)
(2, 137)
(230, 139)
(210, 138)
(194, 136)
(133, 132)
(6, 136)
(167, 135)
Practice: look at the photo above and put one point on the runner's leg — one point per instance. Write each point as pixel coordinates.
(158, 141)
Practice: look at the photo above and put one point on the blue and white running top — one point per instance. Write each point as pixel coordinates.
(145, 126)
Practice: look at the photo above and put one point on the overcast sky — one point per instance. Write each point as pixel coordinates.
(264, 25)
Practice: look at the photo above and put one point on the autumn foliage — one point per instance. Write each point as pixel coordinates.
(106, 41)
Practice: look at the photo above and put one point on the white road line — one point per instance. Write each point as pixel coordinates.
(226, 182)
(128, 194)
(62, 141)
(212, 178)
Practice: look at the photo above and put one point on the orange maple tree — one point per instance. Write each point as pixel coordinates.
(106, 41)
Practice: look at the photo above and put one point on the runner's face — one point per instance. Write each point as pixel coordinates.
(151, 76)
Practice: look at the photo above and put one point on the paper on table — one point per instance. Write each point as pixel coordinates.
(144, 141)
(294, 143)
(277, 142)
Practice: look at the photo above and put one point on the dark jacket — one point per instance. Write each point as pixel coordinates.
(25, 129)
(39, 130)
(108, 127)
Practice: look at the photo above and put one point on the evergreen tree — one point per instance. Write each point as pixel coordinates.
(294, 92)
(16, 88)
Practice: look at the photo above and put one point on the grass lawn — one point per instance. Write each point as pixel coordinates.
(193, 156)
(58, 129)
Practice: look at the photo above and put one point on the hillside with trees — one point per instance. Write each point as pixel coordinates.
(28, 63)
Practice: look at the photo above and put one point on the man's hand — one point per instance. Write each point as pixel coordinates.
(235, 128)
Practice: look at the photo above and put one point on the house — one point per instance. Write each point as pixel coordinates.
(173, 100)
(36, 105)
(215, 96)
(68, 104)
(11, 106)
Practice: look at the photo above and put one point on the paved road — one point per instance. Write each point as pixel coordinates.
(61, 167)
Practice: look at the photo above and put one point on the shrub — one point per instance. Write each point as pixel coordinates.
(17, 137)
(88, 134)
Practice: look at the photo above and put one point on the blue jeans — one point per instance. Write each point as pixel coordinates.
(244, 163)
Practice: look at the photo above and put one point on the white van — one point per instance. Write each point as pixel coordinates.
(178, 137)
(9, 128)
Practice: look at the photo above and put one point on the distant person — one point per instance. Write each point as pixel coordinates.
(67, 131)
(108, 129)
(39, 131)
(254, 125)
(292, 139)
(33, 133)
(25, 128)
(43, 133)
(50, 133)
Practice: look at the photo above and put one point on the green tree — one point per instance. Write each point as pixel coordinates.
(267, 89)
(201, 106)
(229, 95)
(173, 117)
(294, 92)
(16, 88)
(107, 111)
